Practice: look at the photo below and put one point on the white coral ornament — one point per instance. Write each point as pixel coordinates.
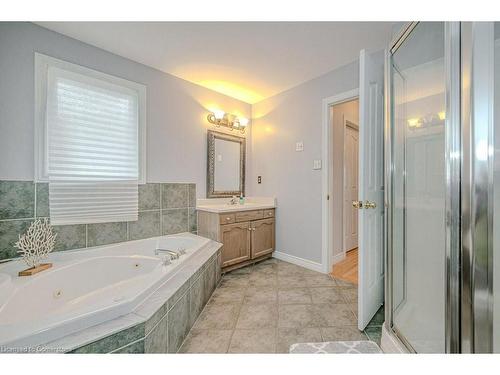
(36, 243)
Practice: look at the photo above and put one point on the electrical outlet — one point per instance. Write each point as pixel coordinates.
(317, 164)
(259, 179)
(299, 146)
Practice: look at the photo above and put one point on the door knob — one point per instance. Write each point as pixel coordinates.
(369, 204)
(357, 204)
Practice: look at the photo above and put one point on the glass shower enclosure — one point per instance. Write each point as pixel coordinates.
(443, 187)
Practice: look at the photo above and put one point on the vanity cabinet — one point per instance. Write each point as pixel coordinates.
(262, 237)
(246, 236)
(237, 243)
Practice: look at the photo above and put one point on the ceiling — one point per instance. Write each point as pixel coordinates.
(246, 60)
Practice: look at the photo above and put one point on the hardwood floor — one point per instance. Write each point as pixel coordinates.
(347, 269)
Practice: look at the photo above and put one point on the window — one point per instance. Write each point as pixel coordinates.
(90, 133)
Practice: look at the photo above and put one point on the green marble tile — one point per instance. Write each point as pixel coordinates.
(113, 342)
(157, 340)
(218, 268)
(149, 196)
(178, 323)
(147, 225)
(192, 220)
(378, 319)
(9, 234)
(70, 237)
(174, 195)
(197, 298)
(178, 294)
(198, 273)
(42, 199)
(136, 347)
(192, 195)
(106, 233)
(210, 279)
(374, 333)
(156, 317)
(175, 221)
(17, 199)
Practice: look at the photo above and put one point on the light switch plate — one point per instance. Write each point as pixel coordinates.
(299, 146)
(317, 164)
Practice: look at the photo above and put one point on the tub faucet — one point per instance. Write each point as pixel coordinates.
(166, 260)
(173, 255)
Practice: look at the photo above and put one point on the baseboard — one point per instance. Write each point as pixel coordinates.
(318, 267)
(338, 258)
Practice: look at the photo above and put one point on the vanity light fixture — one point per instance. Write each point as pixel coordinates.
(426, 121)
(220, 118)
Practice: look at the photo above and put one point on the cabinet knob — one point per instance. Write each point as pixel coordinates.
(228, 218)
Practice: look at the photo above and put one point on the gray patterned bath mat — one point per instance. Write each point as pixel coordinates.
(336, 347)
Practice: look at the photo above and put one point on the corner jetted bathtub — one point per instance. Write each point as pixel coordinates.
(85, 287)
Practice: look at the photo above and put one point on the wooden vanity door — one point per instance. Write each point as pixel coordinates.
(236, 240)
(262, 237)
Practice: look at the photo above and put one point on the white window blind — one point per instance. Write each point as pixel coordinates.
(92, 130)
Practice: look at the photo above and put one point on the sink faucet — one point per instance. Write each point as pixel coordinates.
(233, 200)
(173, 254)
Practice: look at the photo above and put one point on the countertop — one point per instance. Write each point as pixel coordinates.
(221, 205)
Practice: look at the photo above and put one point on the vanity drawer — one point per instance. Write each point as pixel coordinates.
(226, 218)
(269, 213)
(249, 215)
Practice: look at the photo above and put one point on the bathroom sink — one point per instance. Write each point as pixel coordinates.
(223, 205)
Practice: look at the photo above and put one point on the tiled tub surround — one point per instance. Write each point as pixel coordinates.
(164, 208)
(160, 323)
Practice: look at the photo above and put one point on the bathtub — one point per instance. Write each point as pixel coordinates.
(85, 287)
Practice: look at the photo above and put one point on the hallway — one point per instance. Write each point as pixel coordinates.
(347, 269)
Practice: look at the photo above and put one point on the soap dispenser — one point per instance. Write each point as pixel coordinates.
(242, 199)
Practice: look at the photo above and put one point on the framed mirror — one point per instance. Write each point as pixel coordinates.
(226, 165)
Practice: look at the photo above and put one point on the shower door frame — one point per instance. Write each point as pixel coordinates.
(477, 59)
(453, 185)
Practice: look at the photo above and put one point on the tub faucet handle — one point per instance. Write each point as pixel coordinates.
(166, 260)
(173, 255)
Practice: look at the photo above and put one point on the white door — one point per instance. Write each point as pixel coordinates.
(351, 153)
(371, 186)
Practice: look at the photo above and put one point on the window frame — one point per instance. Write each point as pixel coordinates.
(42, 64)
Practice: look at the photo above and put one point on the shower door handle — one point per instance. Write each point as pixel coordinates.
(357, 204)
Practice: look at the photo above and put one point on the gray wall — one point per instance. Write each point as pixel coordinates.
(176, 109)
(277, 124)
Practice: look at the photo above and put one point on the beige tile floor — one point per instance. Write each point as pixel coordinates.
(269, 306)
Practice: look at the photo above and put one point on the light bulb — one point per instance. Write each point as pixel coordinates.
(414, 123)
(218, 114)
(243, 122)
